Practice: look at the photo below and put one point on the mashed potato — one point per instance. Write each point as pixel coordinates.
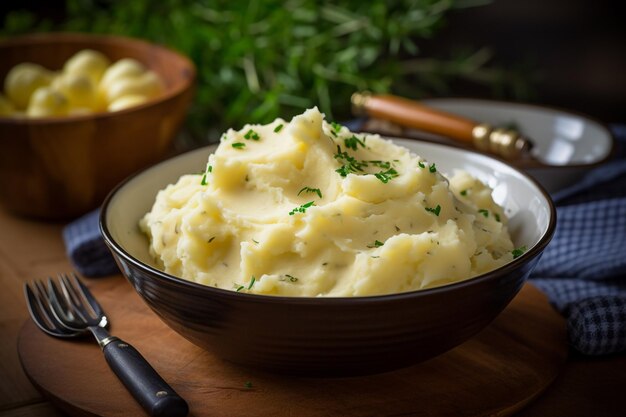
(307, 208)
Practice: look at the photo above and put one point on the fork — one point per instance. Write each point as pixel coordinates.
(67, 309)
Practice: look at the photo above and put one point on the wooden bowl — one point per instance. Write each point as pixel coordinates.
(59, 168)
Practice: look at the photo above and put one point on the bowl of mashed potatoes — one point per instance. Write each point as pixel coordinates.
(300, 247)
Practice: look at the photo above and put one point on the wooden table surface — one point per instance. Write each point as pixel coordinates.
(30, 249)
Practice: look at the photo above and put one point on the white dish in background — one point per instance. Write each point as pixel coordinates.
(566, 145)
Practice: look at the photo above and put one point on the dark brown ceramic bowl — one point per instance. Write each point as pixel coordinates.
(61, 167)
(330, 336)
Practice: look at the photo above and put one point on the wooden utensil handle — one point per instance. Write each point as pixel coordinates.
(409, 113)
(143, 382)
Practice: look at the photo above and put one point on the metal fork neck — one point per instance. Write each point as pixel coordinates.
(102, 335)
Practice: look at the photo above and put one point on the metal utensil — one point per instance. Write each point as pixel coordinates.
(67, 308)
(505, 143)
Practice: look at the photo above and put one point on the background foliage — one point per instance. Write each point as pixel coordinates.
(261, 59)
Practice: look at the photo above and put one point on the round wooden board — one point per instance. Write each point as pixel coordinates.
(494, 374)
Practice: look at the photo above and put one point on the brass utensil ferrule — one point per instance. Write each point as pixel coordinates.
(503, 142)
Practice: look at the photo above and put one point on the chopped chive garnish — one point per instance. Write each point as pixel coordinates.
(311, 190)
(212, 239)
(432, 168)
(238, 145)
(251, 134)
(239, 288)
(463, 193)
(351, 165)
(248, 384)
(208, 170)
(381, 164)
(497, 216)
(291, 278)
(255, 241)
(484, 212)
(302, 208)
(385, 176)
(435, 210)
(518, 251)
(278, 128)
(351, 143)
(336, 128)
(421, 164)
(252, 280)
(376, 244)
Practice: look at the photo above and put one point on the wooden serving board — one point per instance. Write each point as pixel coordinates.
(494, 374)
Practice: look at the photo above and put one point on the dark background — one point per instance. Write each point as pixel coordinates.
(572, 53)
(576, 49)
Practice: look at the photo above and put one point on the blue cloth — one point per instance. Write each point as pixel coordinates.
(582, 271)
(86, 248)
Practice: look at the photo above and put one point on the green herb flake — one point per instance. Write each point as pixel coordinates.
(238, 145)
(248, 385)
(497, 216)
(381, 164)
(251, 134)
(484, 212)
(435, 210)
(208, 170)
(255, 241)
(463, 193)
(421, 164)
(336, 127)
(351, 165)
(278, 128)
(353, 142)
(239, 288)
(385, 176)
(291, 278)
(311, 190)
(302, 208)
(376, 244)
(211, 240)
(343, 171)
(432, 168)
(252, 281)
(518, 251)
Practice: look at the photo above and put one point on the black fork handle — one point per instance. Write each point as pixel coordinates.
(143, 382)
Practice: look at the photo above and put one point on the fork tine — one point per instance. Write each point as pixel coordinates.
(61, 305)
(40, 312)
(93, 303)
(69, 291)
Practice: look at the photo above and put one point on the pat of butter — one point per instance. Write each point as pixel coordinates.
(308, 208)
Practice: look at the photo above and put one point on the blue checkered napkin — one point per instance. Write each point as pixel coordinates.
(583, 270)
(86, 248)
(595, 311)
